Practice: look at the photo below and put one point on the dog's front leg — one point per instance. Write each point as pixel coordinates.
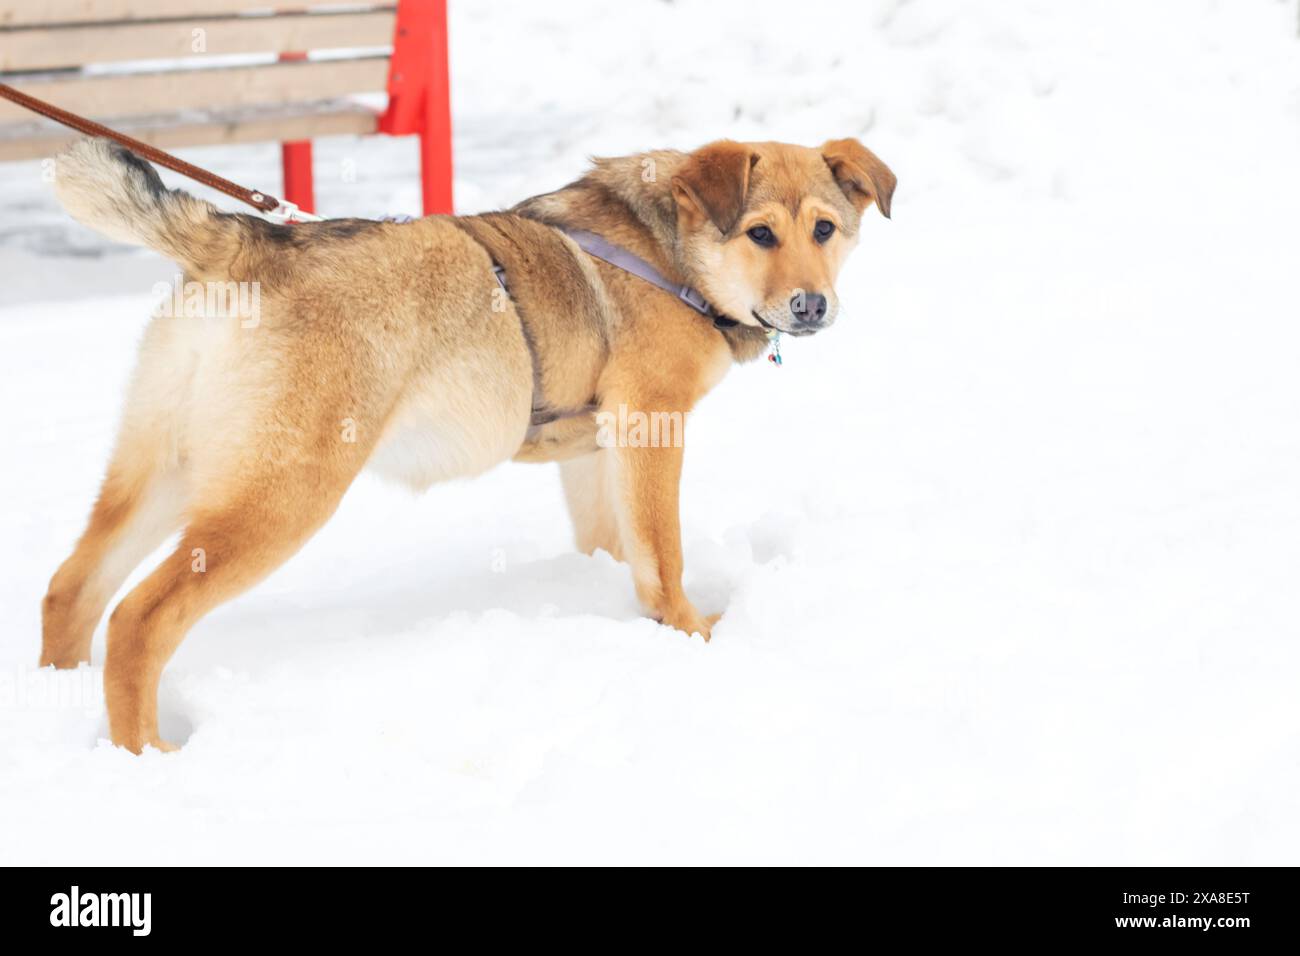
(650, 528)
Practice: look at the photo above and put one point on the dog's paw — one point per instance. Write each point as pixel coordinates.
(138, 746)
(690, 622)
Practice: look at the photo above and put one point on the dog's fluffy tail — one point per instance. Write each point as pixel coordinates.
(108, 188)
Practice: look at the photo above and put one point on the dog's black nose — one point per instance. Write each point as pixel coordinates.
(808, 307)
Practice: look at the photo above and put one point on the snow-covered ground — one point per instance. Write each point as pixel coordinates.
(1007, 560)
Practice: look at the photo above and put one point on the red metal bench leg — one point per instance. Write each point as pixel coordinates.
(419, 95)
(435, 163)
(298, 186)
(295, 157)
(435, 140)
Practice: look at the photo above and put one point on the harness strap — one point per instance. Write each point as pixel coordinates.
(541, 414)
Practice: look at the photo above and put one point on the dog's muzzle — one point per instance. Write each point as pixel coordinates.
(809, 313)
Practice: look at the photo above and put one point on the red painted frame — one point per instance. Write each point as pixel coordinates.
(295, 157)
(419, 103)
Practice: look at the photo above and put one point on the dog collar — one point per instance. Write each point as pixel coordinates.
(603, 249)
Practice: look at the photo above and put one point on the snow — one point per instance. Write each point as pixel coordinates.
(1006, 559)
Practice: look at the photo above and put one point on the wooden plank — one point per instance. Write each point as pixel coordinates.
(38, 141)
(135, 94)
(31, 12)
(49, 48)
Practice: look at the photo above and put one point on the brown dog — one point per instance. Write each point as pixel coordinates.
(394, 346)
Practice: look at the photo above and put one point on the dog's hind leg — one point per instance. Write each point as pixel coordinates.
(590, 494)
(141, 501)
(134, 513)
(231, 543)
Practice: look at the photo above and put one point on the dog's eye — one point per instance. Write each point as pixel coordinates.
(822, 231)
(762, 235)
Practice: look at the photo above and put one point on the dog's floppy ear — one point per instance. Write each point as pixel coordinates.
(860, 173)
(713, 181)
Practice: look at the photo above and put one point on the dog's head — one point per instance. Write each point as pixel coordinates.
(765, 227)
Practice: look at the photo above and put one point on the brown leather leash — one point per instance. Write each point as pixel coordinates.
(267, 203)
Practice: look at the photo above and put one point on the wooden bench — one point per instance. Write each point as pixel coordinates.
(203, 72)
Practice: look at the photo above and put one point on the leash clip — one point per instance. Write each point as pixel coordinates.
(288, 212)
